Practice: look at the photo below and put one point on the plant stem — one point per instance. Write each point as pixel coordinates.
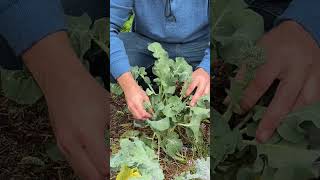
(228, 114)
(150, 87)
(245, 120)
(243, 131)
(253, 142)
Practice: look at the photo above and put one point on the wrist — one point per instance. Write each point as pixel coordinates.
(55, 67)
(126, 81)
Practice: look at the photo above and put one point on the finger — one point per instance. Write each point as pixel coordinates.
(310, 92)
(146, 99)
(97, 151)
(191, 87)
(134, 112)
(198, 94)
(207, 89)
(279, 107)
(79, 160)
(264, 77)
(142, 112)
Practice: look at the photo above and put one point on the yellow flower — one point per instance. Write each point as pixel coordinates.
(126, 173)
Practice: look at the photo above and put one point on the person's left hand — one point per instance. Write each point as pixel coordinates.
(292, 57)
(201, 81)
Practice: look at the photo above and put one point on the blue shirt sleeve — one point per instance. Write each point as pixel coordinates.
(23, 23)
(205, 63)
(119, 13)
(306, 13)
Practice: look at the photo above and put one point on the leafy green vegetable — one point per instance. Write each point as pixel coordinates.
(128, 24)
(79, 33)
(20, 87)
(169, 104)
(202, 171)
(116, 89)
(174, 122)
(99, 33)
(135, 154)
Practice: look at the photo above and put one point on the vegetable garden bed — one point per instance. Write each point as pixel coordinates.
(174, 143)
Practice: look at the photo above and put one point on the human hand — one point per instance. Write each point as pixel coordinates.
(79, 118)
(293, 58)
(77, 104)
(201, 81)
(135, 96)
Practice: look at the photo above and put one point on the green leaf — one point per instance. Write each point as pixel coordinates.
(198, 115)
(268, 173)
(136, 154)
(20, 87)
(128, 24)
(158, 51)
(233, 22)
(288, 130)
(223, 146)
(293, 173)
(160, 125)
(258, 112)
(54, 153)
(116, 89)
(280, 156)
(291, 127)
(79, 33)
(251, 129)
(219, 127)
(170, 90)
(246, 174)
(172, 145)
(99, 33)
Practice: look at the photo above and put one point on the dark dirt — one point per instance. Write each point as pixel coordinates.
(220, 82)
(25, 131)
(121, 122)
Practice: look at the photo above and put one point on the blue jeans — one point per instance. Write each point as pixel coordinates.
(136, 47)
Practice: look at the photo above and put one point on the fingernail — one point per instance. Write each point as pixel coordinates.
(263, 136)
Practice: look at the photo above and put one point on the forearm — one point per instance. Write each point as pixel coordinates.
(126, 81)
(55, 66)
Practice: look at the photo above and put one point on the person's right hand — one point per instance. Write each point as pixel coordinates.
(79, 118)
(77, 105)
(135, 96)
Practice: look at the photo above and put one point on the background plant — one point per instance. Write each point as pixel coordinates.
(88, 39)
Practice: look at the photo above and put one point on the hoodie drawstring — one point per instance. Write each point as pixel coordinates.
(168, 11)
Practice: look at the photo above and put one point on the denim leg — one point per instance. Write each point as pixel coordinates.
(136, 47)
(193, 52)
(137, 50)
(8, 58)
